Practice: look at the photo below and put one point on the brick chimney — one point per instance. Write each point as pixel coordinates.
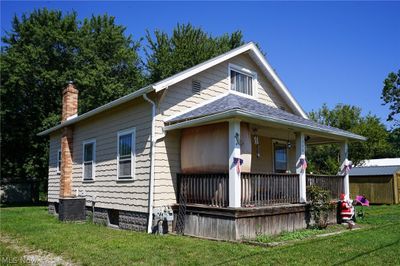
(69, 102)
(66, 163)
(70, 208)
(69, 109)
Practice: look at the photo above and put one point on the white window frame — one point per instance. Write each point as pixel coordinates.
(89, 141)
(131, 131)
(281, 142)
(59, 158)
(247, 72)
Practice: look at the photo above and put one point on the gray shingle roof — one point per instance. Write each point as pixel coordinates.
(235, 102)
(374, 170)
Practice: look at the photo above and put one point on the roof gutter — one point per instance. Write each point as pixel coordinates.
(100, 109)
(236, 112)
(152, 148)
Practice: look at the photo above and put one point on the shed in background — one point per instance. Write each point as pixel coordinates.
(377, 180)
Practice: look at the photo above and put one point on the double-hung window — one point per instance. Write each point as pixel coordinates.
(89, 158)
(126, 154)
(242, 80)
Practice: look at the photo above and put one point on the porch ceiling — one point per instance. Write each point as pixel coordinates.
(235, 106)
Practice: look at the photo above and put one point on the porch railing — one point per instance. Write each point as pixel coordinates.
(267, 189)
(332, 183)
(207, 189)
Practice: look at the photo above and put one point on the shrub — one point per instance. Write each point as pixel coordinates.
(320, 206)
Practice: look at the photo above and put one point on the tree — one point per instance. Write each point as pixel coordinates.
(188, 46)
(43, 51)
(394, 140)
(391, 94)
(324, 159)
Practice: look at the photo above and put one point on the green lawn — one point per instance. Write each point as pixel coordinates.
(10, 256)
(300, 234)
(90, 244)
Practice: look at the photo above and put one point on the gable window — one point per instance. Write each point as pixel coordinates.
(242, 81)
(280, 157)
(89, 154)
(58, 161)
(126, 154)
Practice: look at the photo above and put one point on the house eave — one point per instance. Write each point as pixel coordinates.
(98, 110)
(235, 113)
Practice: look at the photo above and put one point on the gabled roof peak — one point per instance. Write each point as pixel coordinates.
(255, 55)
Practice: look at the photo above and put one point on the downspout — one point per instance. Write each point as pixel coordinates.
(152, 147)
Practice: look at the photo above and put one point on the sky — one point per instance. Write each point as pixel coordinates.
(325, 52)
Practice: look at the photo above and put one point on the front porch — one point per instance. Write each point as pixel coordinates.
(243, 169)
(242, 164)
(258, 184)
(270, 204)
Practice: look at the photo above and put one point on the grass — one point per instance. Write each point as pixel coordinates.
(90, 244)
(10, 256)
(299, 234)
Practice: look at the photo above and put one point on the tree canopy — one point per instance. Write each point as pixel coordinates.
(391, 95)
(324, 159)
(43, 51)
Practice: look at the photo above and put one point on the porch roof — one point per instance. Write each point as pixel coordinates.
(374, 170)
(233, 105)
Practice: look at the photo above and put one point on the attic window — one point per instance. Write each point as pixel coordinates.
(196, 87)
(242, 80)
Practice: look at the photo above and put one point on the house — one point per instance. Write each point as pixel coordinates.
(222, 144)
(378, 180)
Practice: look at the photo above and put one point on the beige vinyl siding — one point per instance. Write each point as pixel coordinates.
(179, 98)
(167, 165)
(54, 177)
(104, 128)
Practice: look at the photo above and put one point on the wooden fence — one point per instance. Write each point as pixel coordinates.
(267, 189)
(332, 183)
(207, 189)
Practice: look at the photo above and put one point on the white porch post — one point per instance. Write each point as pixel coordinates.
(301, 154)
(344, 154)
(234, 175)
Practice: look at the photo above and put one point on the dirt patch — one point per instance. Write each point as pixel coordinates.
(35, 256)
